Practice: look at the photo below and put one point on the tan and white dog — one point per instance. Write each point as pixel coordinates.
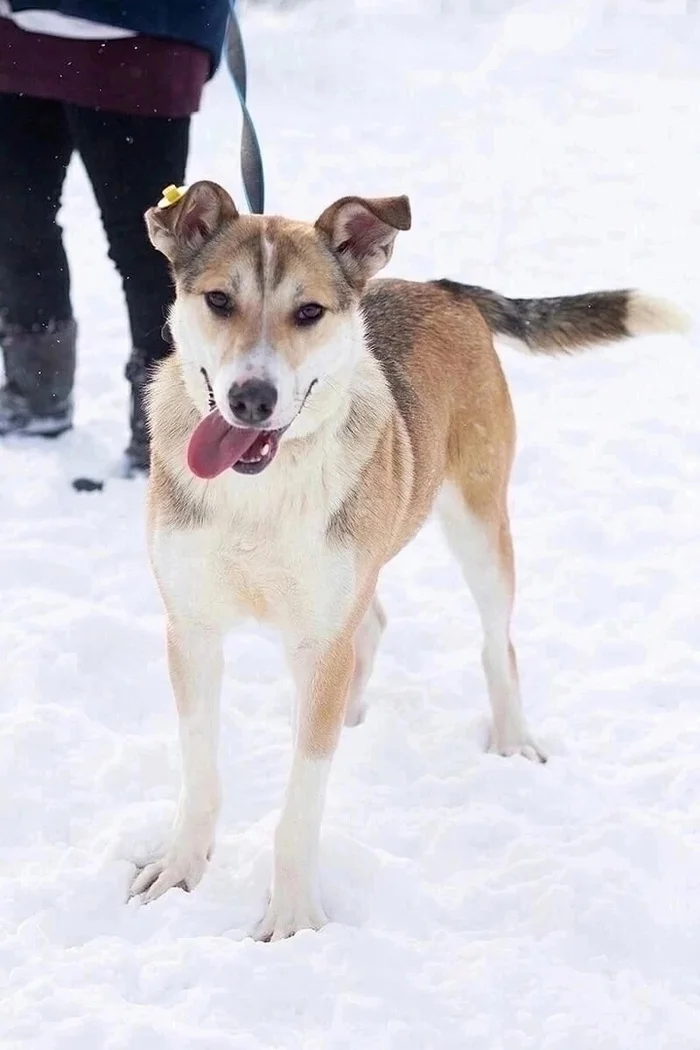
(307, 425)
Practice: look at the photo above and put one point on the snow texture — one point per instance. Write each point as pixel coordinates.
(476, 902)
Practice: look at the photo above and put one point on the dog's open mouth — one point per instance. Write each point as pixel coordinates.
(216, 446)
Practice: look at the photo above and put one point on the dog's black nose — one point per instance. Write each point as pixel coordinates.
(252, 402)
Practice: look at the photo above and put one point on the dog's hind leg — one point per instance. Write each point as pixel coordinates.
(195, 663)
(367, 638)
(481, 543)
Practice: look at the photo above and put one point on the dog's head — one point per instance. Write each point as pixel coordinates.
(266, 312)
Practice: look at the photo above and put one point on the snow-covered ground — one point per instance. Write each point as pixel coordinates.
(476, 902)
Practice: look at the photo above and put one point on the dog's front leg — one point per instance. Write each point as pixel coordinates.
(322, 674)
(195, 663)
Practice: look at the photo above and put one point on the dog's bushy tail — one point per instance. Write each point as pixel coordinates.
(572, 322)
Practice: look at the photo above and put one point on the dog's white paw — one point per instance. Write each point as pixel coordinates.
(181, 866)
(287, 914)
(515, 741)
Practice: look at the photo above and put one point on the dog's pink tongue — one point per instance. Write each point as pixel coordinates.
(215, 446)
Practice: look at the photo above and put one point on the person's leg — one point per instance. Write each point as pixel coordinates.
(37, 330)
(129, 159)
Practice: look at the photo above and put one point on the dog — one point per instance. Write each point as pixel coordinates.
(309, 421)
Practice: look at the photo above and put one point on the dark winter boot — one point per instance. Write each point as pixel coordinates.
(37, 398)
(137, 456)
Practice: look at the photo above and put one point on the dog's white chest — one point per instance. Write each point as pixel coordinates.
(270, 562)
(283, 569)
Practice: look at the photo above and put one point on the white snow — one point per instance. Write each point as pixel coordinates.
(476, 902)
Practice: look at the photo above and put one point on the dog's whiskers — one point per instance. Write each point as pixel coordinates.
(210, 391)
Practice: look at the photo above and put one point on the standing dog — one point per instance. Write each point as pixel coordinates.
(300, 437)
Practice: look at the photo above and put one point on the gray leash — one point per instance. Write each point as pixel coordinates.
(251, 157)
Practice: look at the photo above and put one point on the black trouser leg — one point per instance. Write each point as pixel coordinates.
(129, 160)
(37, 333)
(35, 148)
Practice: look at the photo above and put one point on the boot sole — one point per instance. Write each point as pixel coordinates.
(34, 430)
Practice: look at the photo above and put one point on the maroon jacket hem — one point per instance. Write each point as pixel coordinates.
(141, 75)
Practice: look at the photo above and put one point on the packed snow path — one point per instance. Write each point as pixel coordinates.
(476, 902)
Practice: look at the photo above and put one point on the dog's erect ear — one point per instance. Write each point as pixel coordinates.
(188, 223)
(362, 232)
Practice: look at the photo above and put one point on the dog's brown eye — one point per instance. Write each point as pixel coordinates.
(308, 314)
(219, 303)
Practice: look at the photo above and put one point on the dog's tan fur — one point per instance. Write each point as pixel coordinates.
(411, 401)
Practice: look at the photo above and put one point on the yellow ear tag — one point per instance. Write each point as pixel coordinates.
(171, 195)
